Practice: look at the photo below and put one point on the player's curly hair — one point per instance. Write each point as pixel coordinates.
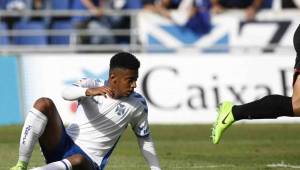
(124, 60)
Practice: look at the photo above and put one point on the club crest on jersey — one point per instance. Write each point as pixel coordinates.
(120, 110)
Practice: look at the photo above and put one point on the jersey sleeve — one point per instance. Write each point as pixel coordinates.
(77, 90)
(139, 121)
(88, 83)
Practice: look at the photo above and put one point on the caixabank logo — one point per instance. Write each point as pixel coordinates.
(86, 73)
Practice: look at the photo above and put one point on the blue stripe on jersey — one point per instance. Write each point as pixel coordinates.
(105, 158)
(142, 100)
(67, 168)
(138, 95)
(146, 110)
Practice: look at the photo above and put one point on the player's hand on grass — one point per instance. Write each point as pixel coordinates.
(103, 90)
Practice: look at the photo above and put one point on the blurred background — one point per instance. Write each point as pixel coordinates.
(194, 53)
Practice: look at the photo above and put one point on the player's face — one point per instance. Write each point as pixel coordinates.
(123, 82)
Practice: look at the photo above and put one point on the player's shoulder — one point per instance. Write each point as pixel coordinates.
(138, 99)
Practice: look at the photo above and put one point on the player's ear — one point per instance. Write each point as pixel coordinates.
(113, 77)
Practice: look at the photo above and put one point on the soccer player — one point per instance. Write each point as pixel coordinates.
(268, 107)
(105, 109)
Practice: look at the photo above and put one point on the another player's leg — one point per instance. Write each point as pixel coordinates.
(42, 124)
(269, 107)
(223, 121)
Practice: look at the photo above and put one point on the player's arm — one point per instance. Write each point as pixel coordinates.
(140, 126)
(148, 150)
(85, 87)
(73, 93)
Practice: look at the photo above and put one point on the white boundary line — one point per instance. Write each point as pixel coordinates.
(282, 164)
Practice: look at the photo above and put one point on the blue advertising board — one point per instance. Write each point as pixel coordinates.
(10, 111)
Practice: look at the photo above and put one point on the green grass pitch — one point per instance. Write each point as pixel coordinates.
(187, 147)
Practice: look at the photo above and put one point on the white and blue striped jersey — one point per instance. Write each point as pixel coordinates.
(100, 121)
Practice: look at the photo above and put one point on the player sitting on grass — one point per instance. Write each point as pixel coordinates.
(269, 107)
(105, 109)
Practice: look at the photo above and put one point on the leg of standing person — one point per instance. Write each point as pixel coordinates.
(269, 107)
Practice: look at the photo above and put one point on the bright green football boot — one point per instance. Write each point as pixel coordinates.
(20, 166)
(224, 120)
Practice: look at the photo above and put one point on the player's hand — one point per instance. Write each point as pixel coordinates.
(103, 90)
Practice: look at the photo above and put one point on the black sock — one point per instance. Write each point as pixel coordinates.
(268, 107)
